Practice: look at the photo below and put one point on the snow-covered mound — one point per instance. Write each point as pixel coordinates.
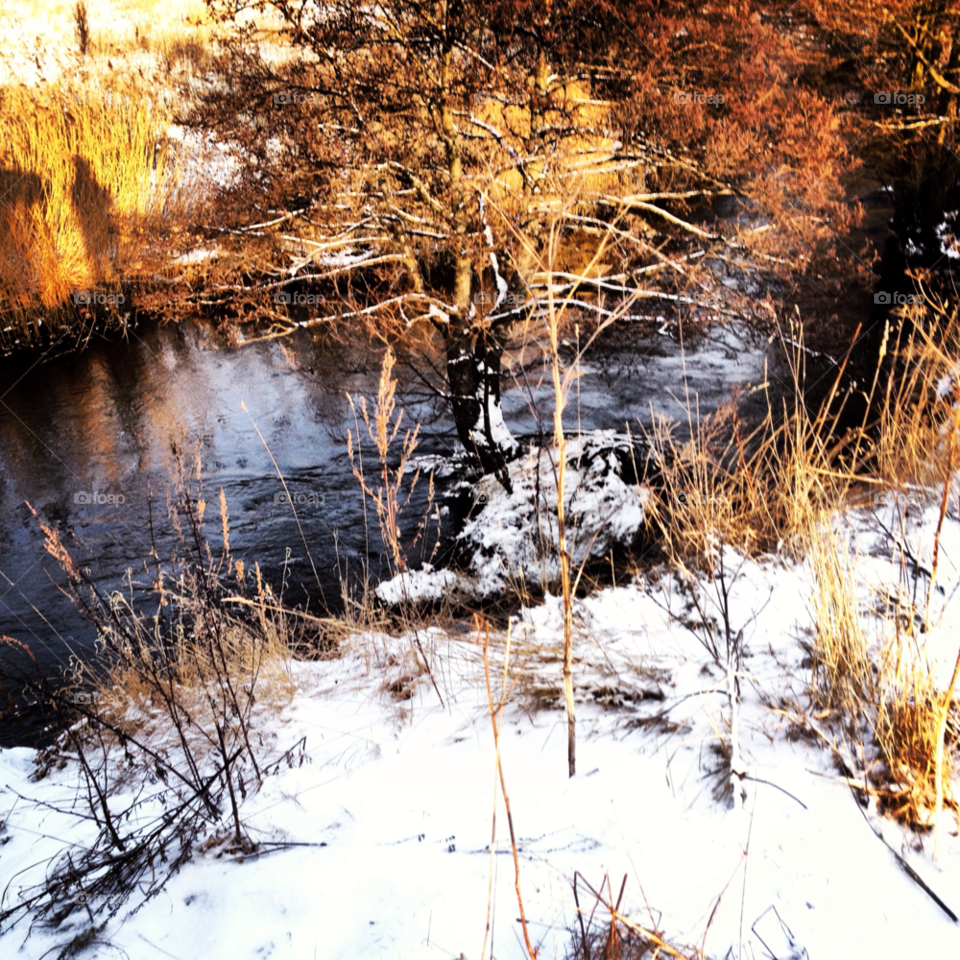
(513, 536)
(416, 585)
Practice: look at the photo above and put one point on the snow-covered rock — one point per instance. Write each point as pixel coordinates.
(513, 535)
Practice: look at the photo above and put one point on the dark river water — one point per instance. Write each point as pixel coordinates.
(86, 440)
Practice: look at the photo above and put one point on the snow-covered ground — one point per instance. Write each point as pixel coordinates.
(397, 794)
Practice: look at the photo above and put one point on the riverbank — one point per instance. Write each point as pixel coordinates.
(108, 422)
(371, 831)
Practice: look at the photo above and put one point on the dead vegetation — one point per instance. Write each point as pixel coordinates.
(85, 176)
(176, 710)
(782, 488)
(405, 217)
(603, 932)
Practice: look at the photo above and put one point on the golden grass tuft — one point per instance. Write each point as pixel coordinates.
(206, 673)
(83, 172)
(916, 414)
(758, 490)
(842, 672)
(909, 711)
(779, 489)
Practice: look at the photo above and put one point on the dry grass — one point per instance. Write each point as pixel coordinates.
(87, 180)
(190, 673)
(602, 932)
(842, 672)
(915, 415)
(916, 728)
(204, 664)
(383, 426)
(249, 660)
(84, 171)
(757, 490)
(908, 713)
(915, 722)
(131, 39)
(780, 488)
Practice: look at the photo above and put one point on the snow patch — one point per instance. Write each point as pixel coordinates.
(200, 255)
(392, 778)
(415, 585)
(946, 234)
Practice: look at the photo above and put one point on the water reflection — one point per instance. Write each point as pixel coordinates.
(88, 439)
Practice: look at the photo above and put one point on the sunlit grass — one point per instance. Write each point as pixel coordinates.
(83, 172)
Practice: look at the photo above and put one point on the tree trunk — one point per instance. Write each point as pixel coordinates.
(473, 350)
(473, 369)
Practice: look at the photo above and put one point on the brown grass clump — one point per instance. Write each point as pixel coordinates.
(388, 500)
(909, 711)
(916, 729)
(179, 706)
(244, 664)
(757, 490)
(83, 173)
(194, 673)
(602, 932)
(916, 413)
(778, 489)
(842, 672)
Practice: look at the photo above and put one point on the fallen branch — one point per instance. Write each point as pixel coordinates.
(638, 204)
(849, 768)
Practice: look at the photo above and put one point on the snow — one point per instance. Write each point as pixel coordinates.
(946, 234)
(506, 540)
(947, 383)
(199, 255)
(500, 434)
(912, 249)
(207, 164)
(416, 585)
(512, 536)
(397, 792)
(349, 257)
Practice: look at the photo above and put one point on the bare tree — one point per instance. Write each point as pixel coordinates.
(395, 86)
(402, 124)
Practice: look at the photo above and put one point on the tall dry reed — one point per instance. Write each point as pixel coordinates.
(83, 170)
